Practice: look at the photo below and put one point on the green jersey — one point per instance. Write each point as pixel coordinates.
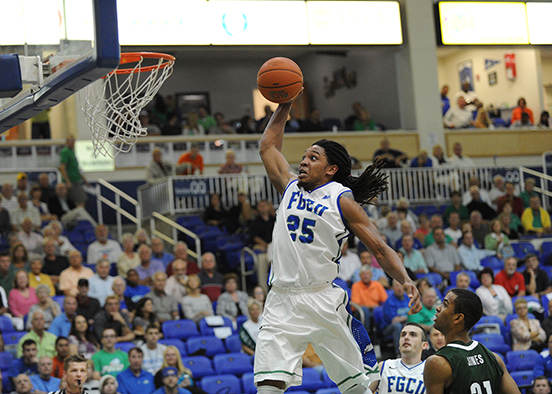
(110, 363)
(475, 369)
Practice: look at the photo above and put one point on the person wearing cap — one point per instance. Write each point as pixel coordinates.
(190, 162)
(528, 192)
(170, 382)
(22, 185)
(537, 282)
(135, 379)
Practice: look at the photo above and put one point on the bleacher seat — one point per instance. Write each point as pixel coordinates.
(125, 346)
(12, 338)
(522, 248)
(206, 330)
(211, 344)
(248, 383)
(199, 365)
(181, 346)
(492, 320)
(190, 222)
(6, 325)
(492, 262)
(221, 384)
(494, 342)
(180, 329)
(232, 363)
(233, 343)
(6, 358)
(326, 379)
(434, 278)
(521, 360)
(240, 320)
(312, 381)
(76, 237)
(523, 378)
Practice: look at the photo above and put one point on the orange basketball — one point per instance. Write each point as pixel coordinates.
(280, 80)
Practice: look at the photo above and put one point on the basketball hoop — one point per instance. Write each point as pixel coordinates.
(112, 105)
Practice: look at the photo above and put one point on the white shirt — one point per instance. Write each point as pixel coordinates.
(397, 377)
(483, 195)
(111, 250)
(175, 289)
(458, 117)
(348, 264)
(100, 288)
(464, 161)
(31, 241)
(10, 204)
(469, 96)
(153, 358)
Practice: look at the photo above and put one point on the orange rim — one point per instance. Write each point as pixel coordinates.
(132, 57)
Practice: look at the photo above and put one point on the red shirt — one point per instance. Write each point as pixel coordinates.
(513, 285)
(516, 114)
(196, 163)
(57, 372)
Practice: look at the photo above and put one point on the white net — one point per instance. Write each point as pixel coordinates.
(112, 105)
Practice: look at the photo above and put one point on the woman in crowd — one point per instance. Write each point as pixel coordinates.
(259, 294)
(46, 304)
(20, 257)
(172, 358)
(81, 339)
(233, 302)
(45, 214)
(196, 305)
(505, 221)
(526, 333)
(515, 221)
(192, 125)
(520, 109)
(141, 237)
(129, 258)
(143, 316)
(250, 328)
(496, 239)
(215, 214)
(545, 120)
(65, 246)
(496, 300)
(482, 120)
(21, 297)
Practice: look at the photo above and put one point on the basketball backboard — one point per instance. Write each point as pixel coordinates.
(61, 46)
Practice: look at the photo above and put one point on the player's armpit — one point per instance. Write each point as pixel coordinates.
(507, 383)
(437, 375)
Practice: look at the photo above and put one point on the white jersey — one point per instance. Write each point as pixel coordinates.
(308, 236)
(397, 377)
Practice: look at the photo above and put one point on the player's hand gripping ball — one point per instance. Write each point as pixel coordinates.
(280, 80)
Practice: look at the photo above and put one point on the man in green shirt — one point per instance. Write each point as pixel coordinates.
(206, 120)
(69, 167)
(528, 192)
(7, 272)
(109, 360)
(456, 206)
(45, 341)
(426, 315)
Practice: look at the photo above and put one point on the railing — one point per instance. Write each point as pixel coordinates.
(543, 178)
(116, 206)
(175, 229)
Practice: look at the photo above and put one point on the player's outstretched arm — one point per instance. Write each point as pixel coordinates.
(437, 375)
(507, 384)
(360, 225)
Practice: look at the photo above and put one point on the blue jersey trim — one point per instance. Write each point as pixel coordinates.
(287, 187)
(339, 207)
(412, 367)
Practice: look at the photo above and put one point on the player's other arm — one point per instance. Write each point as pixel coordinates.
(507, 383)
(437, 375)
(270, 149)
(360, 225)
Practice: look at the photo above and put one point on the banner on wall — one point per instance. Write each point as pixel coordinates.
(510, 64)
(490, 63)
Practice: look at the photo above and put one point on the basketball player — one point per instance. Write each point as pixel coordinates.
(317, 211)
(75, 374)
(464, 366)
(405, 374)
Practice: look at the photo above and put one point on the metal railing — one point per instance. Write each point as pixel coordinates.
(116, 206)
(175, 227)
(543, 178)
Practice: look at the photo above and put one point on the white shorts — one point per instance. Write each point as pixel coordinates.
(292, 318)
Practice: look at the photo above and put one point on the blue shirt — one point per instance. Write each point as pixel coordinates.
(18, 366)
(161, 390)
(46, 386)
(61, 326)
(132, 384)
(543, 366)
(136, 293)
(394, 307)
(166, 258)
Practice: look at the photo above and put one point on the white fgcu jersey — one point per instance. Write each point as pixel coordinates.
(310, 233)
(397, 377)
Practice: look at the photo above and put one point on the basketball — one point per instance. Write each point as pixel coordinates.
(280, 80)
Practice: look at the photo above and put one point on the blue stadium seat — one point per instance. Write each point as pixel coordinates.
(492, 262)
(181, 346)
(240, 320)
(125, 346)
(211, 344)
(221, 384)
(76, 237)
(474, 282)
(199, 365)
(12, 338)
(492, 320)
(206, 330)
(232, 363)
(546, 247)
(6, 325)
(521, 360)
(83, 226)
(433, 277)
(233, 343)
(180, 329)
(312, 381)
(248, 383)
(326, 379)
(190, 222)
(544, 302)
(523, 378)
(494, 342)
(6, 359)
(522, 248)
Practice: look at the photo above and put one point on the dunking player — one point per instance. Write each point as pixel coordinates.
(404, 374)
(319, 207)
(464, 366)
(75, 374)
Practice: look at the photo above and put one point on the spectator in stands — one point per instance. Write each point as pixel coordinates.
(261, 227)
(37, 278)
(477, 204)
(526, 333)
(152, 350)
(145, 121)
(516, 202)
(158, 252)
(45, 342)
(365, 122)
(250, 328)
(190, 162)
(66, 210)
(442, 258)
(230, 166)
(482, 120)
(62, 352)
(413, 258)
(23, 385)
(392, 158)
(101, 283)
(22, 184)
(458, 116)
(92, 385)
(470, 254)
(246, 125)
(422, 160)
(19, 257)
(135, 379)
(436, 342)
(215, 214)
(193, 125)
(424, 229)
(119, 288)
(496, 239)
(259, 294)
(158, 168)
(5, 223)
(528, 192)
(535, 220)
(426, 315)
(435, 221)
(134, 290)
(62, 242)
(471, 98)
(483, 194)
(351, 119)
(498, 190)
(454, 231)
(7, 272)
(25, 211)
(458, 159)
(44, 381)
(212, 281)
(395, 313)
(181, 252)
(176, 284)
(445, 102)
(313, 122)
(29, 238)
(392, 230)
(112, 316)
(109, 360)
(541, 385)
(404, 205)
(9, 200)
(144, 315)
(537, 282)
(185, 381)
(545, 120)
(510, 279)
(69, 277)
(44, 184)
(81, 339)
(21, 297)
(164, 305)
(479, 228)
(521, 108)
(369, 294)
(86, 306)
(61, 326)
(27, 363)
(348, 263)
(547, 322)
(147, 266)
(261, 123)
(233, 302)
(496, 300)
(103, 247)
(46, 304)
(515, 220)
(241, 215)
(505, 221)
(129, 259)
(195, 305)
(378, 274)
(42, 208)
(294, 122)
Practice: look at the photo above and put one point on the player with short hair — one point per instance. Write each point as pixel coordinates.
(320, 205)
(464, 366)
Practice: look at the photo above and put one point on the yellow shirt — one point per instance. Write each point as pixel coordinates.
(69, 278)
(42, 279)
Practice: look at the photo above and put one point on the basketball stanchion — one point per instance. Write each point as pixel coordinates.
(112, 105)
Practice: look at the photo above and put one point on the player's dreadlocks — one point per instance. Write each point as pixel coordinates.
(365, 187)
